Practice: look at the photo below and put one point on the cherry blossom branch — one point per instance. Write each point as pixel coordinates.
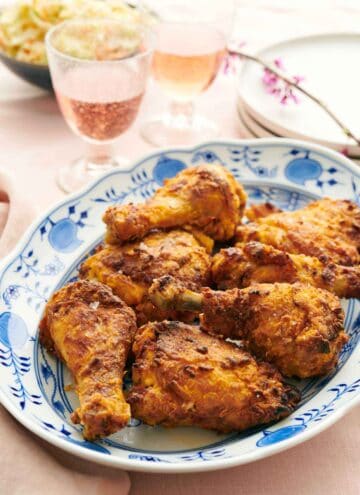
(294, 83)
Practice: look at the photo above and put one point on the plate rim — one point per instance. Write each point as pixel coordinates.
(183, 466)
(353, 149)
(251, 124)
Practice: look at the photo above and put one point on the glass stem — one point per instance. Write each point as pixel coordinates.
(99, 157)
(181, 114)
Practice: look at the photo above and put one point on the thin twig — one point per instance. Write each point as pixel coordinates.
(272, 68)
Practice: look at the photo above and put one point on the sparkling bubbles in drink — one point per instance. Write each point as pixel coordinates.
(96, 114)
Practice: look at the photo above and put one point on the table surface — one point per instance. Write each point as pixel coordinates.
(35, 142)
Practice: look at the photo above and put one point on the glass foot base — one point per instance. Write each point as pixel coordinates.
(76, 175)
(167, 131)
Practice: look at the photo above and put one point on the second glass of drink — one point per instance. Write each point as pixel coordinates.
(190, 45)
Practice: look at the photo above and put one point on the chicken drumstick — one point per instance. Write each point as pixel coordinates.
(206, 197)
(254, 262)
(92, 330)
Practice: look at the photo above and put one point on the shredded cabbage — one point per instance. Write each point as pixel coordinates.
(23, 26)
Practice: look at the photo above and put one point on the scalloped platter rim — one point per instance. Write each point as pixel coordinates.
(289, 173)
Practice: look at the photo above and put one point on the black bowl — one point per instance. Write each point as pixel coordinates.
(36, 74)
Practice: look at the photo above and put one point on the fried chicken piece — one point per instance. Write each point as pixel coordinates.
(298, 328)
(92, 330)
(131, 268)
(254, 212)
(206, 197)
(183, 376)
(326, 227)
(254, 262)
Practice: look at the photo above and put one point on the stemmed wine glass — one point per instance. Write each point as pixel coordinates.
(99, 69)
(190, 45)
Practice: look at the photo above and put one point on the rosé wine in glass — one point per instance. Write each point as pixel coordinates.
(184, 67)
(190, 45)
(99, 70)
(94, 114)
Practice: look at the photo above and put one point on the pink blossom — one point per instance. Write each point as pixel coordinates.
(279, 63)
(276, 86)
(229, 64)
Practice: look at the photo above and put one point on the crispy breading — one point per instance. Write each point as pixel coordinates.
(255, 211)
(92, 330)
(298, 328)
(183, 376)
(131, 268)
(329, 227)
(206, 197)
(254, 262)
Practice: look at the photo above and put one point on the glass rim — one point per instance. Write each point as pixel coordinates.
(170, 19)
(147, 31)
(190, 21)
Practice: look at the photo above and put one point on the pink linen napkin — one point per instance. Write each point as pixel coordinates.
(28, 466)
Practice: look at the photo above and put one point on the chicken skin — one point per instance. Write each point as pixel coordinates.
(254, 262)
(206, 197)
(261, 210)
(326, 227)
(92, 330)
(131, 268)
(298, 328)
(183, 376)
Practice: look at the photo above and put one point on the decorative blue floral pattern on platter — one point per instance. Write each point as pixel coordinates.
(315, 414)
(166, 168)
(206, 156)
(200, 455)
(252, 159)
(304, 168)
(63, 233)
(13, 336)
(36, 387)
(142, 185)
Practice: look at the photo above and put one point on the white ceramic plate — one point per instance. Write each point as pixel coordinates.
(330, 66)
(286, 172)
(243, 131)
(254, 127)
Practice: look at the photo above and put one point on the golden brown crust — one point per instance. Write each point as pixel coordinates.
(296, 327)
(254, 212)
(92, 330)
(325, 227)
(254, 262)
(182, 376)
(130, 269)
(206, 197)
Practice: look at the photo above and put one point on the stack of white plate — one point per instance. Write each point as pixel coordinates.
(330, 65)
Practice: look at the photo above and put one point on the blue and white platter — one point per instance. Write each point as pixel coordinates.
(33, 384)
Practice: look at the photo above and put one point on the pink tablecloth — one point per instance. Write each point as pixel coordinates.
(34, 142)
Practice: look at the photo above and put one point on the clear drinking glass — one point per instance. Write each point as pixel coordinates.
(99, 70)
(190, 45)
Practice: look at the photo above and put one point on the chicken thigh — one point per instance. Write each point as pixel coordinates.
(329, 227)
(183, 376)
(130, 269)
